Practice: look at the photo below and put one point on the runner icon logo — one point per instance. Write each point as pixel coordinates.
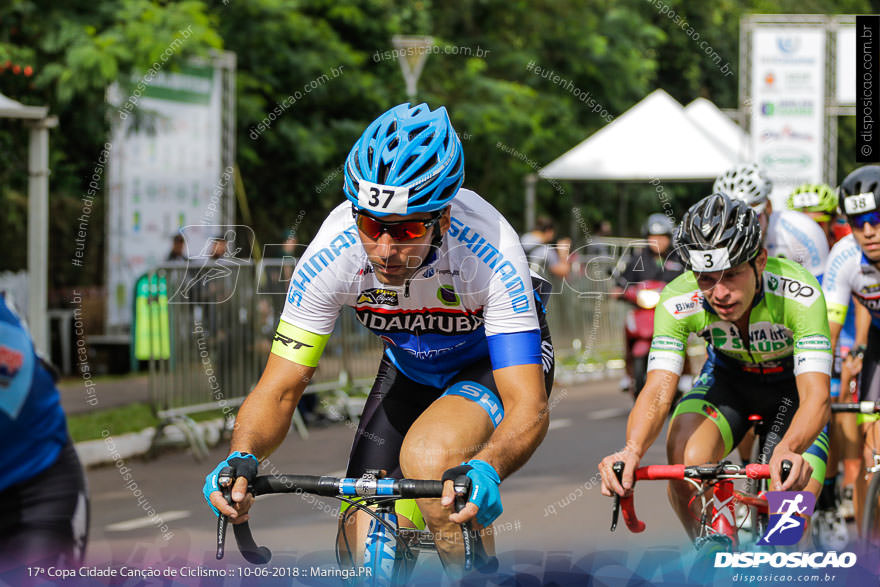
(785, 527)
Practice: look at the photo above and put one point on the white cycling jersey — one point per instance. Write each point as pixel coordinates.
(848, 273)
(473, 297)
(796, 236)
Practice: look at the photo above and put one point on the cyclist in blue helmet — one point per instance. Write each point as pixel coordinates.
(440, 276)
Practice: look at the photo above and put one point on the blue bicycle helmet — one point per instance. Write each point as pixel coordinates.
(408, 160)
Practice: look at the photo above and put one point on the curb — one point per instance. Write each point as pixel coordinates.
(104, 451)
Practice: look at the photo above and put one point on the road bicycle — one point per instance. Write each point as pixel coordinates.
(871, 510)
(390, 551)
(718, 529)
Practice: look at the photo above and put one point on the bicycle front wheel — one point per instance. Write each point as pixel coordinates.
(870, 521)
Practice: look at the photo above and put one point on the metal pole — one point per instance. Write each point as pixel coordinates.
(228, 67)
(530, 181)
(38, 231)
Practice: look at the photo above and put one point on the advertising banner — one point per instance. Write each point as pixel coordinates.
(165, 174)
(788, 99)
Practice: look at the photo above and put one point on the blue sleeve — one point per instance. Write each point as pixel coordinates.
(515, 348)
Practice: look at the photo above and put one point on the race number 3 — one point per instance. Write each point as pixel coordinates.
(859, 203)
(382, 198)
(711, 260)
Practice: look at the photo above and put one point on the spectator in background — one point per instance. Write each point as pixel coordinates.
(289, 249)
(545, 257)
(178, 246)
(656, 261)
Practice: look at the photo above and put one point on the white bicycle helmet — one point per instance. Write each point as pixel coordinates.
(747, 183)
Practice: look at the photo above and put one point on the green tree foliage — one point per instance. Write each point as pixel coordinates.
(511, 121)
(75, 49)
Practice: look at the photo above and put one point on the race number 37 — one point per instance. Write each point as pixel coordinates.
(388, 199)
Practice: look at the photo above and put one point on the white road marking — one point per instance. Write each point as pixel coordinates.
(608, 414)
(110, 495)
(148, 521)
(560, 423)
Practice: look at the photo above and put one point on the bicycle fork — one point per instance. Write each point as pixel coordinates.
(723, 516)
(380, 549)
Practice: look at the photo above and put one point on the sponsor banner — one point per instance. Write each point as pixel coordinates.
(164, 172)
(788, 120)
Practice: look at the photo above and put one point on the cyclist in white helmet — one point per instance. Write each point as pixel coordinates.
(787, 233)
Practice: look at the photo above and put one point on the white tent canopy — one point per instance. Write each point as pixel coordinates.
(655, 139)
(720, 129)
(9, 108)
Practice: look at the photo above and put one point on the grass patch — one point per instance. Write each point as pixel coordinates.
(122, 420)
(211, 415)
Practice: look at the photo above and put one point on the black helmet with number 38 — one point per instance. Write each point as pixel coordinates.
(718, 233)
(860, 190)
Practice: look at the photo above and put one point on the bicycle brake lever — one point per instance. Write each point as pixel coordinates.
(475, 554)
(224, 481)
(615, 510)
(784, 470)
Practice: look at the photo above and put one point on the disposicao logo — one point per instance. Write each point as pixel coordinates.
(785, 527)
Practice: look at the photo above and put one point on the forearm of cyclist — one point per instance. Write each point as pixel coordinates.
(812, 414)
(643, 427)
(526, 419)
(649, 412)
(835, 328)
(863, 324)
(264, 418)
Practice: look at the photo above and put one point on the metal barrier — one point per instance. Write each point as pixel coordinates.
(222, 317)
(586, 321)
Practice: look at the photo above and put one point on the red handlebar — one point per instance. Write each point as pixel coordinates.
(629, 515)
(673, 472)
(654, 472)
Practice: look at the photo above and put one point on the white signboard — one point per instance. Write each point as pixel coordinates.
(165, 166)
(788, 105)
(845, 82)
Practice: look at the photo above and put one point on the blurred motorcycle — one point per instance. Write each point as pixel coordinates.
(639, 329)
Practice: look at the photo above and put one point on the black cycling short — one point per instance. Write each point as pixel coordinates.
(45, 518)
(869, 379)
(396, 401)
(728, 397)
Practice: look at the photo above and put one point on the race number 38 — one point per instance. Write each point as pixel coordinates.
(388, 199)
(859, 203)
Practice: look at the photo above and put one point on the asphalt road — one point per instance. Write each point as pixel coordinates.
(555, 520)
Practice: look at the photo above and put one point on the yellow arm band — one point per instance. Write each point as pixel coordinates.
(836, 313)
(298, 345)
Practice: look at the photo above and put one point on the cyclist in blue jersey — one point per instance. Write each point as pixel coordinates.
(43, 501)
(440, 276)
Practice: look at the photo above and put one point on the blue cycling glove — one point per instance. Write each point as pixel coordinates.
(242, 464)
(484, 488)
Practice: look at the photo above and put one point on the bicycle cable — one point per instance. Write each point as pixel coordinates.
(363, 505)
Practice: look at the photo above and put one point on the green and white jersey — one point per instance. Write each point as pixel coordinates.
(787, 323)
